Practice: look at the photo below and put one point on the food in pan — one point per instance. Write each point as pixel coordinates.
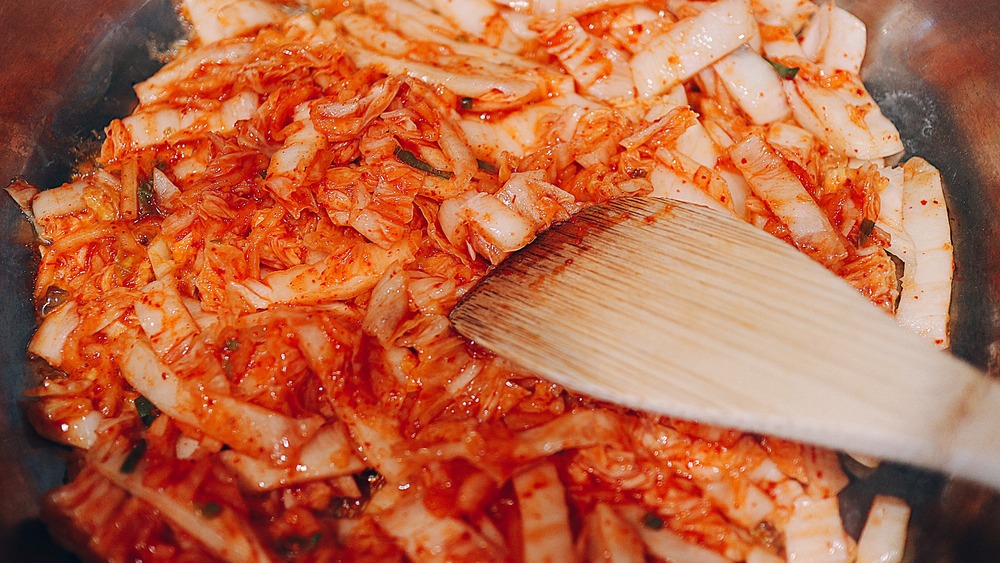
(243, 298)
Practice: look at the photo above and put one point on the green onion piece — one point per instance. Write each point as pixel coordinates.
(652, 521)
(467, 103)
(486, 166)
(232, 345)
(146, 409)
(263, 174)
(209, 510)
(293, 545)
(786, 72)
(133, 457)
(147, 198)
(313, 540)
(411, 160)
(867, 226)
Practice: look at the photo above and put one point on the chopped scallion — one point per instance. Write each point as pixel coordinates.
(293, 545)
(786, 72)
(133, 457)
(147, 198)
(467, 103)
(652, 521)
(486, 166)
(865, 231)
(146, 409)
(209, 510)
(411, 160)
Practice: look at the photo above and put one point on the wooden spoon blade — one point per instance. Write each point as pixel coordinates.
(677, 309)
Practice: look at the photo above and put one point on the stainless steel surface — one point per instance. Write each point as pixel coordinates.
(935, 66)
(67, 70)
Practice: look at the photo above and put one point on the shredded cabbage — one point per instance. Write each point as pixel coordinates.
(244, 297)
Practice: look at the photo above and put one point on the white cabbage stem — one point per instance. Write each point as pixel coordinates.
(214, 20)
(754, 84)
(884, 535)
(691, 45)
(836, 39)
(926, 294)
(545, 527)
(772, 181)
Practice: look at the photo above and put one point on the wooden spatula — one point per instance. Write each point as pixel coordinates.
(676, 309)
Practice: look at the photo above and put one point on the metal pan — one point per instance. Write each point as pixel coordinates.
(934, 66)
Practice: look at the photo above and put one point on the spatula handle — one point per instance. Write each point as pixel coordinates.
(975, 450)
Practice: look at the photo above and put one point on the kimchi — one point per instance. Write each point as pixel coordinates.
(243, 298)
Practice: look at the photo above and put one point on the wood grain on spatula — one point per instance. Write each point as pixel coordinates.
(673, 308)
